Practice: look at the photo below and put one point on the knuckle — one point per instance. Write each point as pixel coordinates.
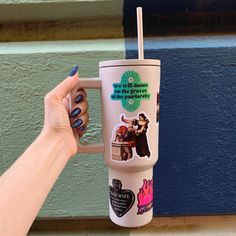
(86, 118)
(48, 98)
(86, 104)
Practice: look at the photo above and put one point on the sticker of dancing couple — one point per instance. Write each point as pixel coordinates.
(131, 134)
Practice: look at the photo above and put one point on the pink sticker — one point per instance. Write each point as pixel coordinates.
(130, 138)
(145, 197)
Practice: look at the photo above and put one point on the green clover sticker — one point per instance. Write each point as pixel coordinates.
(130, 91)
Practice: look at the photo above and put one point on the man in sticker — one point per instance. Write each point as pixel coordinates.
(127, 135)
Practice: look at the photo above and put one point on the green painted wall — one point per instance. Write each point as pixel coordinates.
(28, 72)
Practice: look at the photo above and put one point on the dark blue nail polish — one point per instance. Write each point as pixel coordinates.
(74, 70)
(75, 112)
(77, 123)
(79, 98)
(81, 128)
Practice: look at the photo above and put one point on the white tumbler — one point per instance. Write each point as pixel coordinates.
(130, 114)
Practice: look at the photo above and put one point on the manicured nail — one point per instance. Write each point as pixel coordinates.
(75, 112)
(79, 98)
(77, 123)
(81, 128)
(74, 70)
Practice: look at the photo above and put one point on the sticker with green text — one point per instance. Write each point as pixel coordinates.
(130, 91)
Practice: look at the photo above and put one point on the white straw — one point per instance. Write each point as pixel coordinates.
(140, 32)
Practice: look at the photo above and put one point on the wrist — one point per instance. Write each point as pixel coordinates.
(53, 139)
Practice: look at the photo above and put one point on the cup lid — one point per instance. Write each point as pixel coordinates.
(130, 62)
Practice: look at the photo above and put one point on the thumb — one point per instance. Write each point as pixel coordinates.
(62, 89)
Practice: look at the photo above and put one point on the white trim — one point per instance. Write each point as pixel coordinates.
(151, 43)
(62, 46)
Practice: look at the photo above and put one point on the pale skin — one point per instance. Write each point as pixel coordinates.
(129, 122)
(26, 184)
(141, 122)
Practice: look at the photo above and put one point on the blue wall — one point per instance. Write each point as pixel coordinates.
(165, 17)
(196, 171)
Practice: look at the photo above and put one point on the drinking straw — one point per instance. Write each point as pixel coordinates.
(140, 32)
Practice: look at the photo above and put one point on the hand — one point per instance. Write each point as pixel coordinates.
(57, 120)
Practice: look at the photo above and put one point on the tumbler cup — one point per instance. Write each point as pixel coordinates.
(130, 116)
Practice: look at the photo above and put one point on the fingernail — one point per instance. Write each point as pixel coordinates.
(77, 123)
(75, 112)
(81, 128)
(74, 70)
(79, 98)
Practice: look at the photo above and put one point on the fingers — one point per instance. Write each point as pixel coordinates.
(62, 89)
(79, 96)
(66, 103)
(79, 122)
(79, 109)
(82, 130)
(78, 115)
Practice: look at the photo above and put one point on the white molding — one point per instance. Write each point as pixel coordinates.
(102, 45)
(174, 42)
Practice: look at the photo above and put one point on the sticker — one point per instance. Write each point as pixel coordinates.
(145, 197)
(130, 139)
(121, 199)
(130, 91)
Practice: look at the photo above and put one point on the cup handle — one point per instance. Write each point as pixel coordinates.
(83, 83)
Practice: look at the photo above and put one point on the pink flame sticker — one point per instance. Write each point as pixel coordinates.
(145, 197)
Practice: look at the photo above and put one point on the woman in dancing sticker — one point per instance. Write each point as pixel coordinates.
(139, 126)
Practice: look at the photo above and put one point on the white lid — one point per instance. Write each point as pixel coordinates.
(130, 62)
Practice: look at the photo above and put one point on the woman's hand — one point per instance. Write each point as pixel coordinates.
(57, 120)
(26, 184)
